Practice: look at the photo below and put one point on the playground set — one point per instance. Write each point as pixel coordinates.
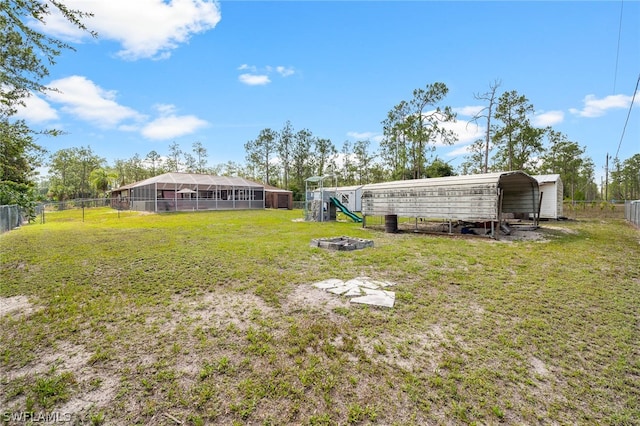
(322, 201)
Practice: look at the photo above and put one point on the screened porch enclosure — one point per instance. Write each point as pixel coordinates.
(189, 192)
(149, 198)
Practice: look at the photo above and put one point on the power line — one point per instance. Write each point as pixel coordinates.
(615, 74)
(628, 114)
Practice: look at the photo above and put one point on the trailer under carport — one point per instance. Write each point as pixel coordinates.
(472, 198)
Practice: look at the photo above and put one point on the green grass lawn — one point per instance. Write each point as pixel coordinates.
(209, 318)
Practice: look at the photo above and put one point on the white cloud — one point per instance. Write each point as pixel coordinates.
(87, 101)
(284, 71)
(144, 28)
(594, 107)
(459, 151)
(169, 125)
(260, 77)
(165, 109)
(59, 26)
(340, 159)
(246, 67)
(254, 79)
(466, 131)
(36, 110)
(469, 111)
(548, 118)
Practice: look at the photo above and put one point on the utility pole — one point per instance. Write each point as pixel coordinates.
(606, 179)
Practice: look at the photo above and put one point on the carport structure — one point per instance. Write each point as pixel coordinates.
(473, 198)
(188, 192)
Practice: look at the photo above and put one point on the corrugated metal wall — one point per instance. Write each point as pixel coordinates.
(560, 195)
(469, 198)
(459, 202)
(519, 196)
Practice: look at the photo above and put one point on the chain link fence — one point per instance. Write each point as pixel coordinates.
(78, 204)
(593, 210)
(632, 212)
(10, 218)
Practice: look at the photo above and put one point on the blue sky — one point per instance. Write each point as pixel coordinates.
(219, 72)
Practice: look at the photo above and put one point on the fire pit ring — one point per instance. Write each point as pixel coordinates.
(341, 243)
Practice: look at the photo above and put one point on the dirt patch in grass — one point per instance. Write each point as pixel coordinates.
(221, 309)
(543, 233)
(15, 305)
(89, 389)
(101, 391)
(65, 356)
(539, 367)
(410, 351)
(562, 229)
(525, 235)
(307, 296)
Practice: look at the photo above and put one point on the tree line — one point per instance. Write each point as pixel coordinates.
(411, 132)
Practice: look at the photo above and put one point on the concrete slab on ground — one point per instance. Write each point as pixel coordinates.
(362, 290)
